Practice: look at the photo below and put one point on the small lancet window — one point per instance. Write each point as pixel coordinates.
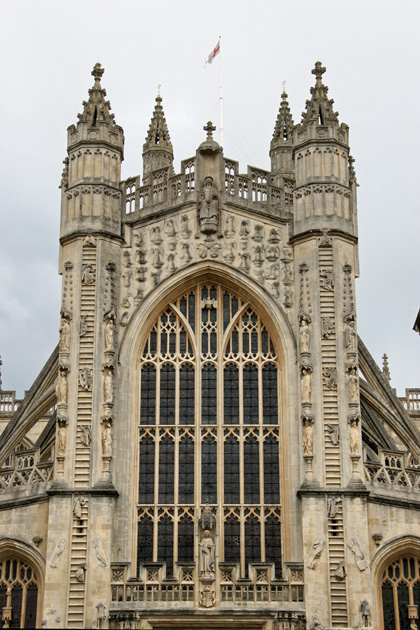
(95, 117)
(321, 117)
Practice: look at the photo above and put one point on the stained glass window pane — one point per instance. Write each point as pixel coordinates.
(166, 543)
(147, 470)
(231, 471)
(403, 601)
(167, 395)
(231, 394)
(270, 400)
(148, 395)
(186, 471)
(250, 396)
(273, 543)
(16, 606)
(31, 602)
(209, 470)
(144, 541)
(232, 540)
(252, 541)
(209, 395)
(166, 471)
(388, 606)
(271, 472)
(185, 540)
(186, 395)
(251, 472)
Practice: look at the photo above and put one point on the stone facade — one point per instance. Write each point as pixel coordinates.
(222, 450)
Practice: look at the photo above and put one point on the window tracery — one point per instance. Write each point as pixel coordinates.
(18, 593)
(400, 587)
(209, 432)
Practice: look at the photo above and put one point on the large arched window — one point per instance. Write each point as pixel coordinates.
(400, 588)
(18, 594)
(209, 432)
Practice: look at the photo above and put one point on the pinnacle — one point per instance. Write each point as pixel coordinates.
(319, 107)
(284, 123)
(97, 109)
(158, 133)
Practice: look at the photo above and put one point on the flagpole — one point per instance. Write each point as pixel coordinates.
(221, 93)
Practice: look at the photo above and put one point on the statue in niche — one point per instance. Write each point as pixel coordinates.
(350, 337)
(352, 384)
(109, 333)
(62, 387)
(327, 279)
(86, 437)
(185, 228)
(83, 325)
(332, 507)
(209, 207)
(316, 550)
(88, 275)
(59, 548)
(61, 437)
(86, 379)
(359, 557)
(308, 436)
(354, 437)
(287, 274)
(106, 439)
(244, 229)
(185, 253)
(108, 386)
(100, 615)
(207, 555)
(333, 432)
(64, 343)
(304, 335)
(306, 383)
(170, 228)
(79, 502)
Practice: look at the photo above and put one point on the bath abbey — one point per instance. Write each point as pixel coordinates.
(210, 445)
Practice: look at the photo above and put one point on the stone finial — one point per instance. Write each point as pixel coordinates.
(319, 108)
(97, 71)
(284, 124)
(96, 109)
(209, 128)
(385, 368)
(318, 71)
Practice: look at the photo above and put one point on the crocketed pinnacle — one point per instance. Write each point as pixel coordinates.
(385, 368)
(284, 124)
(97, 109)
(320, 107)
(158, 135)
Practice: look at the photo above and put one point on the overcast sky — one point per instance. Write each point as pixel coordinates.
(47, 50)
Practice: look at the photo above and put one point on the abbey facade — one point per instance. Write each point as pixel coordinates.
(210, 445)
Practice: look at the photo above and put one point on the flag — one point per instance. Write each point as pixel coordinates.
(214, 53)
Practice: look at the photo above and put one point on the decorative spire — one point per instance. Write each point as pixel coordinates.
(158, 135)
(320, 107)
(96, 109)
(385, 369)
(284, 124)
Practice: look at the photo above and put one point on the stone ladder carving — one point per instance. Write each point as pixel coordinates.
(336, 555)
(76, 602)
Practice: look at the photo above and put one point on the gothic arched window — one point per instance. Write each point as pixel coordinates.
(400, 587)
(209, 432)
(18, 594)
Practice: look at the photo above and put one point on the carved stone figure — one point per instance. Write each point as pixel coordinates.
(316, 550)
(80, 572)
(258, 235)
(209, 207)
(58, 550)
(185, 228)
(85, 379)
(61, 438)
(329, 375)
(308, 436)
(327, 279)
(358, 555)
(64, 343)
(316, 624)
(88, 275)
(100, 615)
(170, 228)
(306, 383)
(354, 437)
(365, 613)
(62, 386)
(207, 555)
(83, 325)
(288, 293)
(109, 334)
(304, 335)
(77, 507)
(327, 327)
(185, 253)
(108, 387)
(99, 552)
(350, 337)
(352, 383)
(106, 440)
(340, 572)
(86, 437)
(332, 507)
(287, 274)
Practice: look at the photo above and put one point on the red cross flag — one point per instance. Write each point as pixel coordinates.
(213, 53)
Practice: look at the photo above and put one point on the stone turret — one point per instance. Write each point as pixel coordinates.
(323, 195)
(91, 197)
(281, 147)
(157, 150)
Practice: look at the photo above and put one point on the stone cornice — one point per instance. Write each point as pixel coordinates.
(318, 233)
(104, 491)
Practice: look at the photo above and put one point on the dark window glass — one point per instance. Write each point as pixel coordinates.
(185, 540)
(183, 306)
(186, 471)
(172, 336)
(167, 394)
(235, 343)
(252, 541)
(148, 395)
(153, 342)
(245, 337)
(231, 470)
(232, 540)
(416, 593)
(271, 471)
(31, 602)
(231, 394)
(209, 395)
(16, 606)
(147, 471)
(270, 403)
(144, 541)
(209, 470)
(251, 471)
(3, 602)
(204, 342)
(250, 385)
(166, 543)
(191, 310)
(403, 601)
(166, 470)
(273, 543)
(264, 342)
(226, 311)
(182, 342)
(388, 606)
(186, 395)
